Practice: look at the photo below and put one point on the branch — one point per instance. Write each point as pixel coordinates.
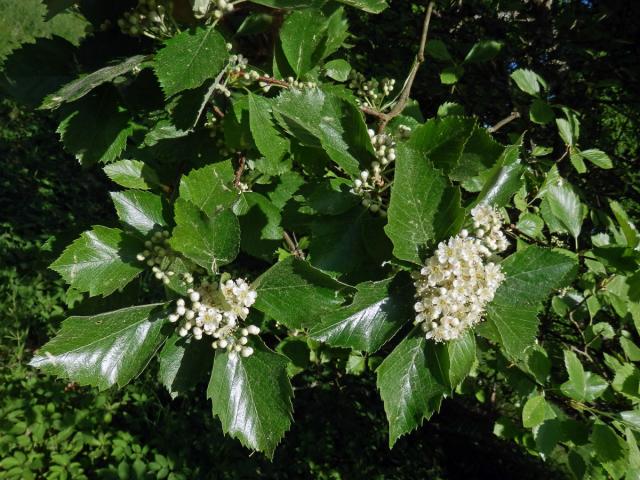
(240, 170)
(503, 122)
(293, 246)
(408, 84)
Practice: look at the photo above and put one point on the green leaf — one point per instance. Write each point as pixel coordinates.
(627, 381)
(424, 207)
(142, 211)
(442, 140)
(581, 386)
(100, 262)
(535, 411)
(528, 81)
(371, 6)
(104, 350)
(183, 363)
(377, 312)
(451, 74)
(530, 276)
(301, 37)
(211, 241)
(462, 356)
(610, 450)
(483, 51)
(628, 228)
(411, 384)
(132, 174)
(438, 50)
(296, 294)
(597, 157)
(541, 112)
(323, 120)
(565, 131)
(83, 85)
(578, 163)
(189, 59)
(336, 242)
(530, 224)
(504, 179)
(211, 187)
(267, 138)
(337, 70)
(565, 206)
(97, 131)
(252, 397)
(260, 224)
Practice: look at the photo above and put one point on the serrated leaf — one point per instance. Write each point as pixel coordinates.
(535, 411)
(424, 207)
(189, 59)
(598, 158)
(83, 85)
(438, 50)
(211, 241)
(337, 70)
(183, 363)
(252, 397)
(628, 228)
(540, 112)
(528, 81)
(371, 6)
(35, 71)
(442, 140)
(142, 211)
(483, 51)
(132, 174)
(319, 119)
(610, 449)
(260, 224)
(296, 294)
(210, 188)
(564, 203)
(581, 386)
(377, 312)
(98, 129)
(504, 179)
(336, 242)
(530, 276)
(462, 356)
(101, 261)
(267, 138)
(411, 384)
(301, 37)
(530, 224)
(104, 350)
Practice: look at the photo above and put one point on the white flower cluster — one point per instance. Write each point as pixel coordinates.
(148, 18)
(218, 311)
(223, 6)
(458, 281)
(372, 91)
(372, 182)
(156, 251)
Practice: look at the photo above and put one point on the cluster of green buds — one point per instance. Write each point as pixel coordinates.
(384, 147)
(158, 255)
(373, 92)
(151, 18)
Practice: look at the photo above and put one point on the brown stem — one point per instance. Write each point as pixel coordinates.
(239, 170)
(293, 246)
(397, 109)
(503, 122)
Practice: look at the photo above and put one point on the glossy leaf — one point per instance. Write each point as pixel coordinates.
(377, 312)
(83, 85)
(183, 363)
(210, 188)
(252, 397)
(301, 37)
(411, 384)
(424, 207)
(106, 349)
(211, 241)
(132, 174)
(189, 59)
(267, 138)
(142, 211)
(296, 294)
(101, 261)
(371, 6)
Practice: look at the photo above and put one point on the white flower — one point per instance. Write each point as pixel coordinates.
(456, 283)
(218, 312)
